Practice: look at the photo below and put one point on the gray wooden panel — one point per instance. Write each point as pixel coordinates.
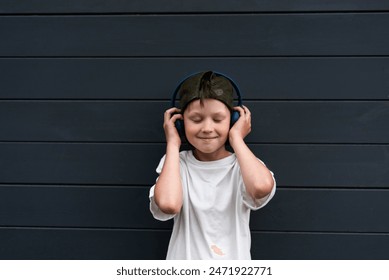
(115, 121)
(40, 243)
(67, 163)
(292, 209)
(77, 207)
(327, 165)
(135, 164)
(353, 78)
(324, 210)
(167, 35)
(169, 6)
(82, 244)
(319, 246)
(136, 121)
(320, 122)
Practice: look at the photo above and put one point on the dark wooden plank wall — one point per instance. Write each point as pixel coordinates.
(84, 86)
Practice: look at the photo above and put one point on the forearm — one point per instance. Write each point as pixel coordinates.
(256, 177)
(168, 189)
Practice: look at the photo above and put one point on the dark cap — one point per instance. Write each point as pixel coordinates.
(206, 85)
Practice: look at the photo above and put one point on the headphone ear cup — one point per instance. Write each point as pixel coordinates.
(180, 126)
(234, 117)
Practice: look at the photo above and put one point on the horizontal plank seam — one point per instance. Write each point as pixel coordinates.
(167, 101)
(75, 185)
(196, 56)
(197, 13)
(320, 232)
(168, 230)
(351, 56)
(147, 186)
(163, 143)
(4, 227)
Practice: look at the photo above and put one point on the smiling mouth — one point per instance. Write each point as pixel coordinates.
(207, 138)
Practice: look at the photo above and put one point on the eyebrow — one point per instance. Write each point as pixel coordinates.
(196, 112)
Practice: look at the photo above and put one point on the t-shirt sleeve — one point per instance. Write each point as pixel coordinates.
(154, 209)
(255, 204)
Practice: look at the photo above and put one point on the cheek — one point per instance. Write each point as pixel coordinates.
(225, 127)
(190, 126)
(190, 131)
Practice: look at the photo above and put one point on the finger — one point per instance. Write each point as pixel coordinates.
(247, 111)
(241, 111)
(245, 114)
(172, 110)
(169, 112)
(176, 117)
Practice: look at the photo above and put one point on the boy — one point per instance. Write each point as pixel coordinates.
(209, 191)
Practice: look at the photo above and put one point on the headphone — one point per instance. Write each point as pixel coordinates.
(234, 115)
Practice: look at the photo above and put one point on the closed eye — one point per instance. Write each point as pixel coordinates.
(219, 119)
(196, 120)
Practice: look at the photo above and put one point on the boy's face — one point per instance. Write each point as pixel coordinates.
(207, 124)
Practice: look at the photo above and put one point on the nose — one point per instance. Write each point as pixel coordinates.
(207, 126)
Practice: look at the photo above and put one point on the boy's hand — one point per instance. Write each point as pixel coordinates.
(242, 127)
(171, 133)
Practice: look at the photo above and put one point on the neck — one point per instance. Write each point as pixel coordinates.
(220, 154)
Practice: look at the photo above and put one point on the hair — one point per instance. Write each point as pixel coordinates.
(206, 92)
(206, 85)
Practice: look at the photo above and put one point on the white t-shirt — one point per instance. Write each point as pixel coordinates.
(214, 219)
